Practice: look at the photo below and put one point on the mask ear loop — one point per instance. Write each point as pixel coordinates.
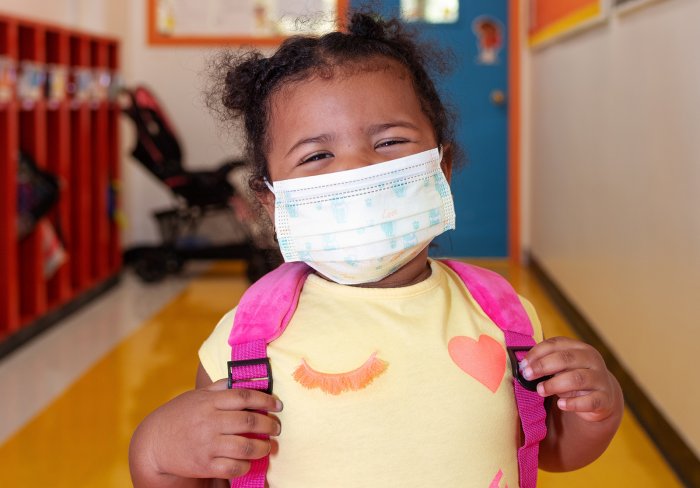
(274, 229)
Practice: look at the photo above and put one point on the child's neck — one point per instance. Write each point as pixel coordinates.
(415, 271)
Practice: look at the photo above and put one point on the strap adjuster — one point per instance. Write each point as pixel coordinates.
(255, 378)
(530, 385)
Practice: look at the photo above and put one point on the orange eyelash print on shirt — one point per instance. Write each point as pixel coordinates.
(337, 383)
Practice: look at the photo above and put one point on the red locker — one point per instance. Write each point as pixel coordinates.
(115, 253)
(99, 117)
(59, 152)
(9, 297)
(55, 106)
(81, 170)
(32, 140)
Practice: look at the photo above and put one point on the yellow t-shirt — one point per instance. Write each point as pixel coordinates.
(439, 410)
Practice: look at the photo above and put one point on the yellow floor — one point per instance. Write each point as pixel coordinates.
(81, 439)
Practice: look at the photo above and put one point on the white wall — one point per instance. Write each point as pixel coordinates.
(176, 75)
(100, 16)
(615, 194)
(63, 12)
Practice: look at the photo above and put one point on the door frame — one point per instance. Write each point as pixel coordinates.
(514, 133)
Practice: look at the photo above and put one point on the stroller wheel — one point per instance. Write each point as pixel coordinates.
(151, 266)
(173, 262)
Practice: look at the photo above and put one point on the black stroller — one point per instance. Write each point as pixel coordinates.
(203, 198)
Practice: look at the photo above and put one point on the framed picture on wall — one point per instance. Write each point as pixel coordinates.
(242, 22)
(550, 20)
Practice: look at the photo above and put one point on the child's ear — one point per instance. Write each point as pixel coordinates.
(446, 163)
(267, 200)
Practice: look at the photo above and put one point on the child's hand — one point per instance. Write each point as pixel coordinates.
(198, 434)
(581, 380)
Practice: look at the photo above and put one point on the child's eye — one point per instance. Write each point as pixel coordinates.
(317, 157)
(389, 142)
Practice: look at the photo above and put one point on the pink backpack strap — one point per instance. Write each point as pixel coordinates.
(267, 306)
(500, 302)
(262, 315)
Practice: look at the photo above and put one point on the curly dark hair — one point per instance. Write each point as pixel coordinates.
(243, 83)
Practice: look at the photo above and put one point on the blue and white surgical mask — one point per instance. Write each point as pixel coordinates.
(361, 225)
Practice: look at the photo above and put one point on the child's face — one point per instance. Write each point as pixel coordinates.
(353, 119)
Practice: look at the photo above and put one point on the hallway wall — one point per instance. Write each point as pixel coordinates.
(176, 75)
(101, 16)
(615, 191)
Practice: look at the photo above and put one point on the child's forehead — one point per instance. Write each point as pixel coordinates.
(386, 83)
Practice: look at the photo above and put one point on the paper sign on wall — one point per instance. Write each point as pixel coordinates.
(551, 19)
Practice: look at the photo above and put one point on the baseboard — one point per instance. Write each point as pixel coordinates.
(671, 445)
(17, 339)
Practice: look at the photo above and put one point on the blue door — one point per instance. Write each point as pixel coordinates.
(476, 90)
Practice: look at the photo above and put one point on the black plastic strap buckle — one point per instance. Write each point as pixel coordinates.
(251, 362)
(530, 385)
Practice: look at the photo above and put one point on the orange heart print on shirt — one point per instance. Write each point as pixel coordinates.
(484, 360)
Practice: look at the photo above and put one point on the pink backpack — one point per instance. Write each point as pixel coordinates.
(267, 307)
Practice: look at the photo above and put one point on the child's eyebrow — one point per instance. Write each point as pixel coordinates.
(378, 128)
(311, 140)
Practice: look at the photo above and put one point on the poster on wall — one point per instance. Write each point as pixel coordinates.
(550, 20)
(192, 22)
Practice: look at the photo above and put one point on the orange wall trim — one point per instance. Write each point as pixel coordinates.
(553, 18)
(514, 141)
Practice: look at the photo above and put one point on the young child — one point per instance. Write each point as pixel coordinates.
(379, 370)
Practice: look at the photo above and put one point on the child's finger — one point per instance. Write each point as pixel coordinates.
(555, 362)
(247, 422)
(552, 345)
(592, 403)
(242, 399)
(239, 447)
(222, 384)
(226, 468)
(584, 380)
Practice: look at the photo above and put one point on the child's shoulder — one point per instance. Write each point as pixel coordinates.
(529, 308)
